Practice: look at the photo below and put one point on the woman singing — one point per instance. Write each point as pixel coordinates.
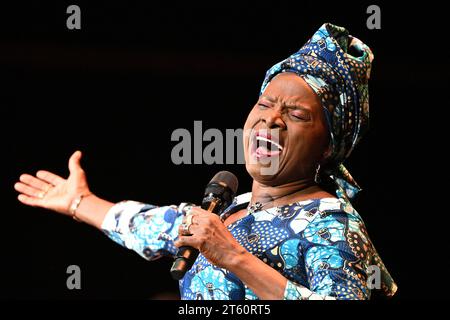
(296, 234)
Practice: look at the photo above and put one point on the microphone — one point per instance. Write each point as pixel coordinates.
(219, 194)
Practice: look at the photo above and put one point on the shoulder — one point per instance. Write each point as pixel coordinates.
(331, 220)
(330, 209)
(305, 216)
(338, 227)
(324, 209)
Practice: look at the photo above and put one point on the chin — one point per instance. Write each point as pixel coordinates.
(255, 171)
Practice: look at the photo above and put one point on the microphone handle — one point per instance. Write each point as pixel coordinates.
(186, 255)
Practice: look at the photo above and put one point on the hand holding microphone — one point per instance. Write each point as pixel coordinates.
(208, 234)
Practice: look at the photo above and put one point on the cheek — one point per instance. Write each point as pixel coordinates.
(252, 118)
(297, 148)
(317, 144)
(246, 135)
(305, 143)
(321, 136)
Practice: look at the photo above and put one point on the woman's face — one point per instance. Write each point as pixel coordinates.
(286, 134)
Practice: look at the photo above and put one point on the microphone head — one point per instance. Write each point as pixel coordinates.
(226, 179)
(221, 189)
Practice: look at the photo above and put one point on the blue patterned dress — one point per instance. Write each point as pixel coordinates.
(320, 246)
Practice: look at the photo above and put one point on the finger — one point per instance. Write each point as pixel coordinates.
(188, 219)
(197, 211)
(206, 218)
(185, 228)
(74, 163)
(49, 177)
(187, 241)
(34, 182)
(195, 229)
(28, 191)
(182, 231)
(29, 201)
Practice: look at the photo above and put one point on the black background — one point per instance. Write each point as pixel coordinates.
(136, 71)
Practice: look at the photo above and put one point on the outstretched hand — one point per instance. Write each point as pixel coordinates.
(50, 191)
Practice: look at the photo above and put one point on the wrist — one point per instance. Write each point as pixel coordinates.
(92, 210)
(239, 257)
(75, 204)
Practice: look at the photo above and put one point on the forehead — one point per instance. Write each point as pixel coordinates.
(289, 85)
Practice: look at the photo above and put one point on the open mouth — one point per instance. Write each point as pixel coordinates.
(264, 144)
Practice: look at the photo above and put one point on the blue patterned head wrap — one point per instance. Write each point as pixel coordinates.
(337, 67)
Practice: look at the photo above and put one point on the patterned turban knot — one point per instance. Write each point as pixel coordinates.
(337, 67)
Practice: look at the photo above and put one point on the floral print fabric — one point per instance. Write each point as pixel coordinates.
(321, 246)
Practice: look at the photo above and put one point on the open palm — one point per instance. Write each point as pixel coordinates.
(50, 191)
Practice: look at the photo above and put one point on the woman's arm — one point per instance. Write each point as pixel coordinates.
(92, 210)
(264, 281)
(269, 284)
(215, 242)
(50, 191)
(323, 263)
(146, 229)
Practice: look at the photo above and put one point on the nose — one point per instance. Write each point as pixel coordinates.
(273, 119)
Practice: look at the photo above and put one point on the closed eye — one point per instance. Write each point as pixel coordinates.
(299, 116)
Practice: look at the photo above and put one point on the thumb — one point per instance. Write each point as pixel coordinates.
(74, 162)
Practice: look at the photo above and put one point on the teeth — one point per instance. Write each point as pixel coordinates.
(259, 138)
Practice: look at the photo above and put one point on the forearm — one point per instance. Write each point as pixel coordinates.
(144, 228)
(264, 281)
(92, 210)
